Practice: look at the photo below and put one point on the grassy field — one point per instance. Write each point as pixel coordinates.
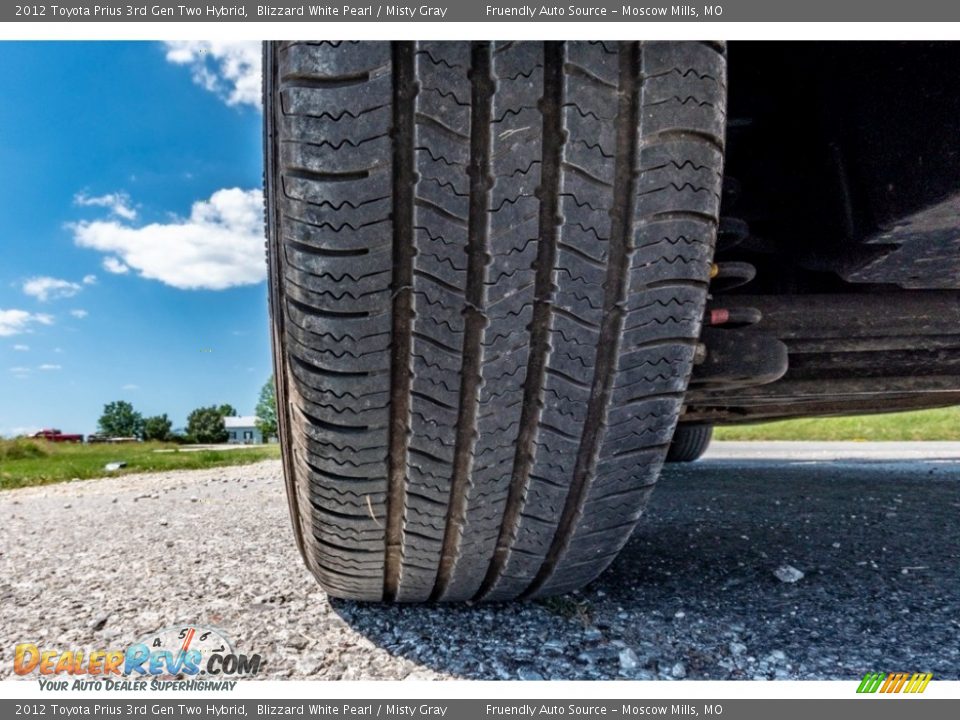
(940, 424)
(37, 462)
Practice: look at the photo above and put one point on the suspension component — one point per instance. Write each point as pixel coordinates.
(733, 317)
(728, 275)
(739, 358)
(732, 232)
(729, 355)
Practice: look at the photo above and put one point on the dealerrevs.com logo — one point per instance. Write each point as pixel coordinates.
(184, 657)
(909, 683)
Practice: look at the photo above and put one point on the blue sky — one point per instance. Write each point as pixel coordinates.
(131, 249)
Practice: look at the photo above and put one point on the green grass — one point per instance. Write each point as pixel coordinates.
(939, 424)
(26, 462)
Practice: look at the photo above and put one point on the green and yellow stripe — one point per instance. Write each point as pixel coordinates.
(894, 682)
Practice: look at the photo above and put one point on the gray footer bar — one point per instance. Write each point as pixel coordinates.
(873, 707)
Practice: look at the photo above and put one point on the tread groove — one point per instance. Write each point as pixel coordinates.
(474, 317)
(621, 216)
(404, 93)
(549, 224)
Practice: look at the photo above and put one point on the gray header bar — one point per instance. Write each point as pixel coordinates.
(217, 706)
(498, 11)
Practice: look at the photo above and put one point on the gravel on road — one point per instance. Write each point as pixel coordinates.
(743, 568)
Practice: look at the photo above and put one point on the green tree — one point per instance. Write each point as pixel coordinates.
(158, 427)
(266, 411)
(227, 410)
(119, 419)
(205, 425)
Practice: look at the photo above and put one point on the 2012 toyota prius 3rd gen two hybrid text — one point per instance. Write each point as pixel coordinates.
(506, 275)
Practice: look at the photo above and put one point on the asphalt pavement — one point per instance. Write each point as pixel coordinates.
(761, 561)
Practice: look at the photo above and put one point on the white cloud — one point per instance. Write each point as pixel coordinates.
(115, 265)
(48, 366)
(48, 288)
(79, 314)
(117, 203)
(89, 279)
(219, 246)
(130, 386)
(229, 69)
(13, 322)
(21, 348)
(20, 370)
(18, 431)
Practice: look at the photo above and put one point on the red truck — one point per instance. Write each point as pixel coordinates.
(54, 435)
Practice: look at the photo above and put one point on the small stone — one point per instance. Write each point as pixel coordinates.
(679, 614)
(163, 522)
(788, 574)
(67, 506)
(835, 546)
(99, 623)
(194, 499)
(678, 671)
(525, 674)
(297, 642)
(419, 675)
(309, 665)
(592, 634)
(628, 659)
(737, 649)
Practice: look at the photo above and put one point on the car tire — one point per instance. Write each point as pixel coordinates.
(488, 269)
(690, 442)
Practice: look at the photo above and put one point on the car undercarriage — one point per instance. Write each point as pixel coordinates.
(837, 285)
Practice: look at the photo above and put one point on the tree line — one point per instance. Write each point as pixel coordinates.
(204, 424)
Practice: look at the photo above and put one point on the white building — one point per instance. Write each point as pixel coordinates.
(243, 430)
